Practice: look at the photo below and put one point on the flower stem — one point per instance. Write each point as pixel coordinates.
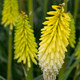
(65, 8)
(45, 7)
(21, 5)
(75, 16)
(9, 55)
(30, 9)
(30, 71)
(76, 9)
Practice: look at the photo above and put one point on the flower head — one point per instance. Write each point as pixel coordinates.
(54, 40)
(72, 33)
(25, 45)
(10, 13)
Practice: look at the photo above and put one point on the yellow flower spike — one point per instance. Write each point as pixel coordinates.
(10, 13)
(54, 40)
(25, 45)
(78, 50)
(72, 33)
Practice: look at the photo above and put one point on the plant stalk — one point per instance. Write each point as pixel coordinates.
(30, 70)
(21, 5)
(65, 7)
(76, 9)
(45, 7)
(9, 55)
(30, 9)
(75, 16)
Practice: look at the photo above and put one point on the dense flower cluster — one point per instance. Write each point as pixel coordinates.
(72, 33)
(10, 13)
(25, 45)
(54, 40)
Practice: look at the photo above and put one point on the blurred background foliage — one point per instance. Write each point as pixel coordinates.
(71, 67)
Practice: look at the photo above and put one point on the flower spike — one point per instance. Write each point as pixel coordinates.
(25, 45)
(72, 33)
(54, 40)
(10, 13)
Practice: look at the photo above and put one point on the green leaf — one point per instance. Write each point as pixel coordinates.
(2, 78)
(68, 71)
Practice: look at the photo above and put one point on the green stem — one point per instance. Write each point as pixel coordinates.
(65, 8)
(30, 9)
(9, 55)
(76, 9)
(21, 5)
(30, 71)
(45, 7)
(75, 16)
